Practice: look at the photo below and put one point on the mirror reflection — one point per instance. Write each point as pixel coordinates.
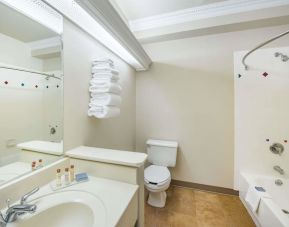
(30, 95)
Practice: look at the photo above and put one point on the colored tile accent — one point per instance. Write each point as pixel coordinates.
(36, 86)
(267, 140)
(285, 141)
(6, 82)
(265, 74)
(239, 75)
(22, 84)
(57, 86)
(47, 86)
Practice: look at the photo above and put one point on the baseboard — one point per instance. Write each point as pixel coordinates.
(204, 187)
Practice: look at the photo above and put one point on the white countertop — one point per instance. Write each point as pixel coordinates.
(127, 158)
(115, 195)
(42, 147)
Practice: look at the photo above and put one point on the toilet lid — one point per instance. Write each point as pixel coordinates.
(156, 174)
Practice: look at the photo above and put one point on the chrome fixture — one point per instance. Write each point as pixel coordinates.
(52, 131)
(277, 148)
(278, 182)
(279, 169)
(284, 57)
(261, 45)
(19, 209)
(10, 67)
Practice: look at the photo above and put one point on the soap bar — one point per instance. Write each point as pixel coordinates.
(80, 177)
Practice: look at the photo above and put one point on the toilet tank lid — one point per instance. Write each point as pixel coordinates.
(163, 143)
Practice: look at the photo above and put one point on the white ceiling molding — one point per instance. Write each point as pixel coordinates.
(100, 20)
(203, 12)
(38, 11)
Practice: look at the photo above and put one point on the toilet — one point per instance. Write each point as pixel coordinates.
(157, 177)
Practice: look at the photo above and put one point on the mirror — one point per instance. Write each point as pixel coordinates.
(31, 90)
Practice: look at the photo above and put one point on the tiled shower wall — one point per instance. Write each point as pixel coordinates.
(261, 112)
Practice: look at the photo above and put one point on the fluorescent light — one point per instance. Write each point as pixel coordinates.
(38, 11)
(79, 16)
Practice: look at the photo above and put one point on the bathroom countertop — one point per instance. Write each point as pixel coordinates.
(127, 158)
(115, 195)
(42, 147)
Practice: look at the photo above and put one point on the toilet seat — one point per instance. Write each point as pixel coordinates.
(157, 175)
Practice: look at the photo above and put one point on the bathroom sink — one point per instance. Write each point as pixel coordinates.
(66, 208)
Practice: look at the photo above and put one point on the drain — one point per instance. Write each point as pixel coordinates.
(278, 182)
(285, 211)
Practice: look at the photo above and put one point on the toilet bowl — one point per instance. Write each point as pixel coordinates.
(157, 181)
(157, 177)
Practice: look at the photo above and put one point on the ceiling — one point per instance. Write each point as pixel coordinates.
(135, 9)
(18, 26)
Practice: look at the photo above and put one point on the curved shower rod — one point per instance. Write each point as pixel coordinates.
(261, 45)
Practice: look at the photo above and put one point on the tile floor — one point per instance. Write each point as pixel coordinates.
(187, 207)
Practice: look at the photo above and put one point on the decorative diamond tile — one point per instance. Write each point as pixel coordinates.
(239, 75)
(36, 86)
(265, 74)
(267, 140)
(6, 82)
(57, 86)
(47, 86)
(22, 84)
(285, 141)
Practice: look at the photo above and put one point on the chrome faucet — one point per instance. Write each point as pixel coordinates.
(279, 169)
(19, 209)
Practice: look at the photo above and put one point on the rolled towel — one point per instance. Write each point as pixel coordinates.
(105, 87)
(105, 99)
(100, 70)
(103, 111)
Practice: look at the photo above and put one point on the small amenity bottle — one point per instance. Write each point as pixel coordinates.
(58, 178)
(33, 166)
(71, 173)
(66, 176)
(40, 163)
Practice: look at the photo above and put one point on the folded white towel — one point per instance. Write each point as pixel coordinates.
(105, 76)
(103, 60)
(253, 197)
(100, 70)
(103, 111)
(102, 81)
(105, 87)
(105, 99)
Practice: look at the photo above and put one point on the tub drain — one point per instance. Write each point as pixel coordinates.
(285, 211)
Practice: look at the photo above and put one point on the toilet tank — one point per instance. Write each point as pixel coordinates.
(162, 152)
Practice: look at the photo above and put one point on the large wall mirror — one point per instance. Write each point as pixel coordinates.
(31, 90)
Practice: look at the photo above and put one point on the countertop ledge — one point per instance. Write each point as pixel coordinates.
(127, 158)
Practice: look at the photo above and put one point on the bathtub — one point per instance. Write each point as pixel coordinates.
(270, 212)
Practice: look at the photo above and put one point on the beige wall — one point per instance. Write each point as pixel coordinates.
(79, 129)
(188, 96)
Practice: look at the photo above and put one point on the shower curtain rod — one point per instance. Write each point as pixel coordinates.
(261, 45)
(29, 71)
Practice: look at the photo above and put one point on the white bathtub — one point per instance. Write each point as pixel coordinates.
(270, 212)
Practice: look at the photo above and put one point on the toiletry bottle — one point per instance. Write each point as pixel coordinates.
(33, 166)
(40, 163)
(58, 178)
(66, 176)
(71, 173)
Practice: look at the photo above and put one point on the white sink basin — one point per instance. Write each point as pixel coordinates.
(66, 208)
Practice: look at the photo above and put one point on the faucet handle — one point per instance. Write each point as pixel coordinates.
(27, 195)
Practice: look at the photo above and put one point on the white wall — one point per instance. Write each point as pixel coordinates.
(261, 113)
(79, 51)
(188, 96)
